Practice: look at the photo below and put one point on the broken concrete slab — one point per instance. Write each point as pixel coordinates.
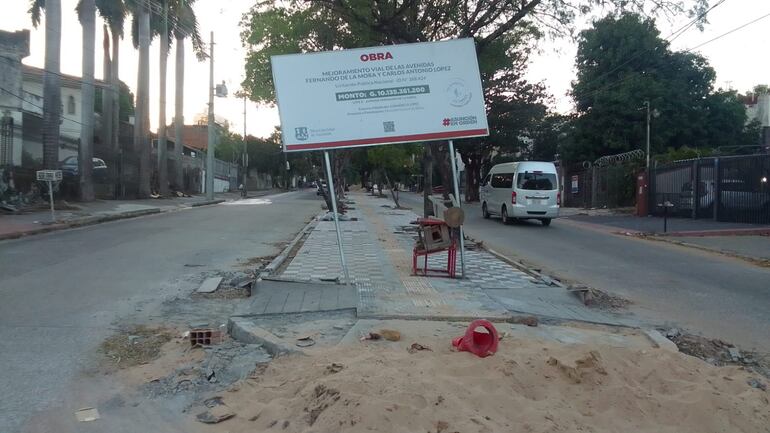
(245, 331)
(209, 285)
(661, 341)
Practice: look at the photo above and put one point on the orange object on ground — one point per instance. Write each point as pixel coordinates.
(481, 344)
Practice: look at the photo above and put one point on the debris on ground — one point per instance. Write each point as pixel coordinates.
(417, 347)
(216, 413)
(580, 369)
(605, 301)
(718, 352)
(524, 320)
(305, 341)
(334, 368)
(390, 334)
(134, 346)
(754, 383)
(87, 414)
(371, 336)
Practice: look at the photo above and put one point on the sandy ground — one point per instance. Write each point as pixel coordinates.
(528, 386)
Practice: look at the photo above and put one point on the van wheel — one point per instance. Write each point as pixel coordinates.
(484, 210)
(504, 216)
(546, 222)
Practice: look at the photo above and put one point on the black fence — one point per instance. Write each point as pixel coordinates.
(610, 186)
(733, 188)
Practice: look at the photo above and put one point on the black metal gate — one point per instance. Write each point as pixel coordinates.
(731, 189)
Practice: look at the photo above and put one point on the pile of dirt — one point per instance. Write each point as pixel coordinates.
(527, 386)
(135, 346)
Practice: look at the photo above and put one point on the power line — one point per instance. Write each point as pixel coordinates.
(729, 32)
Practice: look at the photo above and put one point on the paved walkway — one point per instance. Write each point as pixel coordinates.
(378, 249)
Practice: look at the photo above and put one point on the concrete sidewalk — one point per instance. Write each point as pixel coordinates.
(79, 214)
(378, 249)
(651, 224)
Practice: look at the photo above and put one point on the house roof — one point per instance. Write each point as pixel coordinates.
(34, 74)
(193, 136)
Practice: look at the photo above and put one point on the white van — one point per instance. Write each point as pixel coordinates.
(521, 190)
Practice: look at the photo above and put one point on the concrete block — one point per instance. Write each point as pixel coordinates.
(209, 285)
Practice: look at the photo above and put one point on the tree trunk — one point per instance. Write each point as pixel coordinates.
(52, 85)
(179, 114)
(107, 95)
(427, 162)
(115, 146)
(142, 116)
(472, 177)
(86, 148)
(445, 169)
(162, 149)
(392, 187)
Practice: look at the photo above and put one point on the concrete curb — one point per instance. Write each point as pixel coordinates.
(207, 202)
(280, 258)
(660, 341)
(522, 267)
(718, 232)
(98, 219)
(81, 222)
(247, 332)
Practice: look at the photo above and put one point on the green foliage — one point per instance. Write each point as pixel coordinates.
(684, 152)
(126, 101)
(623, 62)
(397, 160)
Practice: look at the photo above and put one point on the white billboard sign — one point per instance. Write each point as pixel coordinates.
(379, 95)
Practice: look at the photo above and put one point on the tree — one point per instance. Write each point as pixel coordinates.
(86, 10)
(51, 77)
(142, 119)
(393, 162)
(622, 62)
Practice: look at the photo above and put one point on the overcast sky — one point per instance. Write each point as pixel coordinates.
(740, 59)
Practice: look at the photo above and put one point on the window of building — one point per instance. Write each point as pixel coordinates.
(71, 105)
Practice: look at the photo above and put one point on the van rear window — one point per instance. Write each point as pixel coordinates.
(537, 181)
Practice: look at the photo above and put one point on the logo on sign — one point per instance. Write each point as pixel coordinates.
(459, 121)
(458, 94)
(372, 57)
(301, 133)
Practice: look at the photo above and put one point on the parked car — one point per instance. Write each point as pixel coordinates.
(735, 194)
(321, 188)
(70, 168)
(521, 190)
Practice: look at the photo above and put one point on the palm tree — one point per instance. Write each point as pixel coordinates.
(162, 157)
(51, 77)
(86, 10)
(142, 36)
(186, 25)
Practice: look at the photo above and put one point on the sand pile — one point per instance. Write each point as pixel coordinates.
(529, 386)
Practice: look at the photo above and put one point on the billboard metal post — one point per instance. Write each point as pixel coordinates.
(330, 180)
(457, 198)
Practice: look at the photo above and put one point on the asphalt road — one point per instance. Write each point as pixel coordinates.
(716, 295)
(63, 292)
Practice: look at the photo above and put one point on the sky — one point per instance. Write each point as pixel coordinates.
(740, 59)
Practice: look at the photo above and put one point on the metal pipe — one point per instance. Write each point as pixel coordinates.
(333, 194)
(456, 185)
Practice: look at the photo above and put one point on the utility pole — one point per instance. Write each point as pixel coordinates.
(647, 104)
(212, 138)
(245, 158)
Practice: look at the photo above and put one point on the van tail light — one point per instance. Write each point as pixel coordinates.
(558, 198)
(513, 197)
